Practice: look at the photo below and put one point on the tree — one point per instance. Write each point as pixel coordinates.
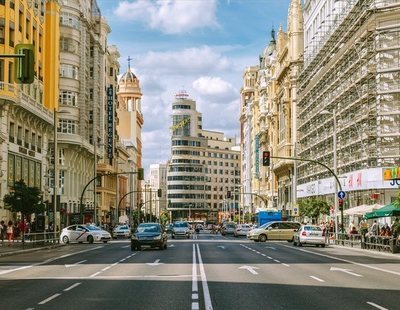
(313, 207)
(396, 203)
(24, 199)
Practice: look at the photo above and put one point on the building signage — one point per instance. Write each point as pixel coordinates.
(391, 173)
(110, 122)
(257, 155)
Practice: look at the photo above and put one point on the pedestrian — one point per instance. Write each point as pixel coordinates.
(374, 229)
(10, 233)
(3, 229)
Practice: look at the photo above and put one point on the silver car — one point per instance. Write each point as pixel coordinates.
(181, 229)
(309, 234)
(123, 231)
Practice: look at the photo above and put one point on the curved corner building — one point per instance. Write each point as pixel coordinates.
(187, 180)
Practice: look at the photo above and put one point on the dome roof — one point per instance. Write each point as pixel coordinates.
(128, 77)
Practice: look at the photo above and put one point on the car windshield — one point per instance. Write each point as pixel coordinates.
(122, 227)
(148, 228)
(92, 227)
(313, 228)
(183, 224)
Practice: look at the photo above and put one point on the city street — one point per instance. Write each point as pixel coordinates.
(206, 272)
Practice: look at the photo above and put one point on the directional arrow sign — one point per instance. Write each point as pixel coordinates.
(156, 263)
(250, 269)
(76, 264)
(345, 271)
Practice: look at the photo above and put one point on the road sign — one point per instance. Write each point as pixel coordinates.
(341, 194)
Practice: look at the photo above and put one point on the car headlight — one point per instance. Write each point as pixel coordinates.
(157, 237)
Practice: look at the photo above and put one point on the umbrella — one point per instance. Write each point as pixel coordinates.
(362, 209)
(386, 211)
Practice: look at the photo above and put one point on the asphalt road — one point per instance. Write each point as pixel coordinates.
(207, 272)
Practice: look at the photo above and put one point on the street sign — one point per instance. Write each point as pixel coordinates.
(341, 194)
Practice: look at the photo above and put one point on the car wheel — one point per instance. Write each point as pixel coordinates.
(262, 238)
(291, 240)
(65, 239)
(323, 245)
(294, 243)
(90, 239)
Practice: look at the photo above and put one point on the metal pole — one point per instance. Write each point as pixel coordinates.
(94, 174)
(55, 187)
(335, 171)
(116, 192)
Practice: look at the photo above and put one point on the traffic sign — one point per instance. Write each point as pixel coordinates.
(341, 194)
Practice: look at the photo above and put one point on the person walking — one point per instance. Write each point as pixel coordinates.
(3, 228)
(10, 233)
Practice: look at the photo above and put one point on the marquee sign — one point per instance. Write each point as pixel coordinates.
(181, 124)
(110, 122)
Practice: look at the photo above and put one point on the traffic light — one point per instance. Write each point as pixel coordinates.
(228, 194)
(140, 173)
(159, 193)
(340, 204)
(266, 158)
(24, 66)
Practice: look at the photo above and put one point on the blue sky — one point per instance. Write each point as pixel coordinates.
(201, 46)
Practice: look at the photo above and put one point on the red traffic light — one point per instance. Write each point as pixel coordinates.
(266, 158)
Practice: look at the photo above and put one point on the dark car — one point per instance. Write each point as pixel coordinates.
(149, 234)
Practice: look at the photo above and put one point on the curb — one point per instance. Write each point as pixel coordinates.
(21, 251)
(366, 252)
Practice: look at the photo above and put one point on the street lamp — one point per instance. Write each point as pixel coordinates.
(56, 172)
(333, 113)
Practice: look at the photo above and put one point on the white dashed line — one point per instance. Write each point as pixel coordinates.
(317, 279)
(72, 286)
(376, 306)
(286, 265)
(48, 299)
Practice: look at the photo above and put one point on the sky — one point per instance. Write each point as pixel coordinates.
(200, 46)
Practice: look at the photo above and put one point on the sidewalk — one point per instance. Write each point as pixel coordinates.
(18, 247)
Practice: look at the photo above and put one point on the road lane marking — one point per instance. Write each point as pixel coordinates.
(276, 261)
(156, 263)
(125, 246)
(318, 279)
(269, 257)
(250, 269)
(194, 271)
(376, 306)
(75, 264)
(72, 286)
(195, 296)
(206, 292)
(348, 271)
(15, 269)
(195, 306)
(345, 260)
(286, 265)
(48, 299)
(95, 274)
(106, 268)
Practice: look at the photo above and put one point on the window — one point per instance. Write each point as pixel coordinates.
(67, 19)
(10, 72)
(67, 97)
(2, 31)
(69, 71)
(26, 138)
(67, 126)
(1, 70)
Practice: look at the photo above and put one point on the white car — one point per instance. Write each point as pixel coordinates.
(123, 231)
(241, 230)
(309, 234)
(84, 233)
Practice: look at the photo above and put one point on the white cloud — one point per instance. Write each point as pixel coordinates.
(187, 61)
(215, 87)
(171, 16)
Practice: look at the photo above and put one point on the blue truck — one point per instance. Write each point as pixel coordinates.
(268, 216)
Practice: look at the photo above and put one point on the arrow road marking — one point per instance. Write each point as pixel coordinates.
(250, 269)
(74, 265)
(156, 263)
(221, 246)
(348, 271)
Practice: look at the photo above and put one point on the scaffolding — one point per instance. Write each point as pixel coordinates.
(356, 72)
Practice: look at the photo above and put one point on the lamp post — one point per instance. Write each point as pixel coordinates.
(333, 113)
(56, 171)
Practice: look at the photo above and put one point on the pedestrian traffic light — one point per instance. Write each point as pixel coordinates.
(140, 173)
(228, 194)
(159, 193)
(24, 66)
(266, 158)
(340, 204)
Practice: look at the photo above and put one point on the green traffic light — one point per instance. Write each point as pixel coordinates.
(24, 66)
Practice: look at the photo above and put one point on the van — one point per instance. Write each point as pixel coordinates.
(277, 230)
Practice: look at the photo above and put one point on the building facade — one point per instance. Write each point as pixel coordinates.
(26, 111)
(204, 165)
(349, 99)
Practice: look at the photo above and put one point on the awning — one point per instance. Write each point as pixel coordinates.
(386, 211)
(362, 209)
